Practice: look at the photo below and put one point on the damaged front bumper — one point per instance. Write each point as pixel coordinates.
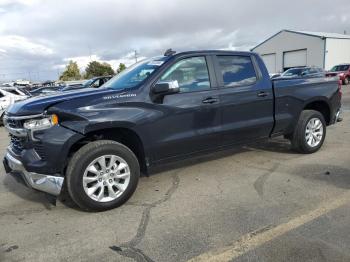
(51, 184)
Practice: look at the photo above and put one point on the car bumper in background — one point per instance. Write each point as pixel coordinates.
(51, 184)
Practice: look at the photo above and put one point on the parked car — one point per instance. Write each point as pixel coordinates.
(303, 72)
(46, 90)
(9, 95)
(18, 91)
(93, 82)
(274, 75)
(343, 71)
(159, 110)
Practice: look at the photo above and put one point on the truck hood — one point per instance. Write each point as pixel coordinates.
(38, 105)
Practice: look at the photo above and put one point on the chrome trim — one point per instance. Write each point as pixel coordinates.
(20, 132)
(51, 184)
(23, 117)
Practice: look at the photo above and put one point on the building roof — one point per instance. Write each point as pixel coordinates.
(321, 34)
(308, 33)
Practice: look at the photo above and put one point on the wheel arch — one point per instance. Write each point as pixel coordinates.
(125, 136)
(321, 106)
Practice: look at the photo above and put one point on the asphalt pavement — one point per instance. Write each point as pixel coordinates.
(261, 202)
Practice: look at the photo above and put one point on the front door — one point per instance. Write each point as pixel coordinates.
(191, 120)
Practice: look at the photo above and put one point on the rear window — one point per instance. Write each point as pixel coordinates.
(237, 70)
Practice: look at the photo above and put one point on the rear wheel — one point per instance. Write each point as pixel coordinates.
(102, 175)
(310, 132)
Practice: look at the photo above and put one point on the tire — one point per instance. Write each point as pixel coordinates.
(299, 138)
(77, 174)
(346, 81)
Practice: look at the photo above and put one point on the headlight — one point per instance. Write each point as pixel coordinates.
(41, 123)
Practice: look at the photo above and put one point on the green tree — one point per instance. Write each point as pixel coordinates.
(96, 68)
(121, 67)
(71, 72)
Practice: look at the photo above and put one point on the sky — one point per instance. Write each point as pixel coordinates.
(39, 37)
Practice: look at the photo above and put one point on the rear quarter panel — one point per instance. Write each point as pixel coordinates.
(293, 95)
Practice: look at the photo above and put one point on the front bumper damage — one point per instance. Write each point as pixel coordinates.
(51, 184)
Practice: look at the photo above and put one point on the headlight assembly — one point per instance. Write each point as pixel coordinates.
(41, 123)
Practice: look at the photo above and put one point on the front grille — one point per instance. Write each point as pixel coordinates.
(16, 143)
(19, 137)
(13, 123)
(39, 148)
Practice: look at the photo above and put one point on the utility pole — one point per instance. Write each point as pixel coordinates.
(135, 54)
(89, 52)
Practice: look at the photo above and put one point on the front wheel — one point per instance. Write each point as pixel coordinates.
(102, 175)
(310, 132)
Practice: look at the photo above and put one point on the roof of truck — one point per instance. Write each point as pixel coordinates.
(214, 52)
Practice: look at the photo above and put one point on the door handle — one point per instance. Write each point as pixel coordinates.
(262, 94)
(210, 100)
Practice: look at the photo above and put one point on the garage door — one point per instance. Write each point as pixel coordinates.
(294, 59)
(270, 62)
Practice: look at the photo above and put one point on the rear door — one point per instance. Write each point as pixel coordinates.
(246, 99)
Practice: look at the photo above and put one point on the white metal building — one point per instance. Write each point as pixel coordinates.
(289, 48)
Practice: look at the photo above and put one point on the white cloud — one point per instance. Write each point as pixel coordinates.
(38, 34)
(22, 2)
(19, 43)
(344, 18)
(83, 61)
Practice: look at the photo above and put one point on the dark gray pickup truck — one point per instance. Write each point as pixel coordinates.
(161, 109)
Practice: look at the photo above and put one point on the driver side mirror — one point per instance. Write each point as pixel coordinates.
(166, 88)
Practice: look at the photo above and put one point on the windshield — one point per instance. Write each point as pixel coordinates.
(340, 68)
(293, 72)
(135, 75)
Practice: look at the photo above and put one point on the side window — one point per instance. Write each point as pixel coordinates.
(97, 83)
(191, 74)
(237, 70)
(14, 92)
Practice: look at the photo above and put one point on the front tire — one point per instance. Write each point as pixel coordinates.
(102, 175)
(309, 133)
